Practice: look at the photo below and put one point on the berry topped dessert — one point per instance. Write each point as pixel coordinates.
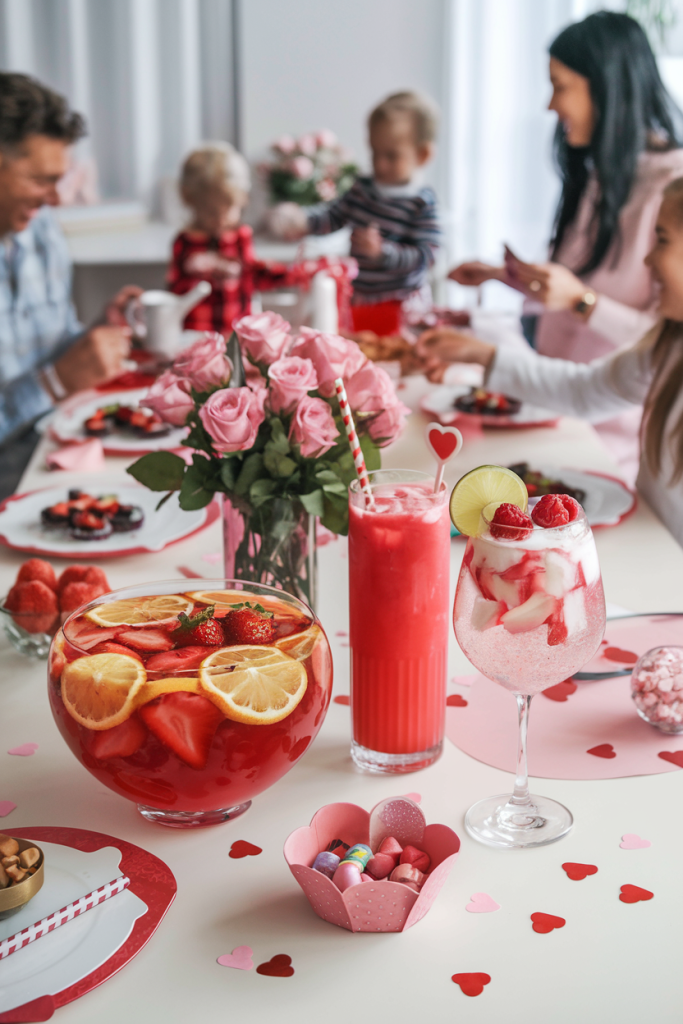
(127, 419)
(487, 403)
(89, 518)
(538, 483)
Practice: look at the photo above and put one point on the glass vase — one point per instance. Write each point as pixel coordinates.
(274, 544)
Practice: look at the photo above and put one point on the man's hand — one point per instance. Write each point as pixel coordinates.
(445, 344)
(115, 311)
(96, 356)
(366, 242)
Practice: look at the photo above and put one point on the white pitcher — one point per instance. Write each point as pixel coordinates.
(157, 317)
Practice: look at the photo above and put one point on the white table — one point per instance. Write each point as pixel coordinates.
(612, 962)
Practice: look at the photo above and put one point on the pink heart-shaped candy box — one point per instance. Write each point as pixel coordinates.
(371, 906)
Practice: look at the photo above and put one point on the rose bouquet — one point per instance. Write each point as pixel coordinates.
(312, 169)
(275, 448)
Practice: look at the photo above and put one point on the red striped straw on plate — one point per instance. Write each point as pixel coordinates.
(60, 917)
(356, 451)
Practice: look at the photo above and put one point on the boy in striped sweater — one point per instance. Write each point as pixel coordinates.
(393, 216)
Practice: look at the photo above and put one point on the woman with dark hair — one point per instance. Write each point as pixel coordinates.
(616, 149)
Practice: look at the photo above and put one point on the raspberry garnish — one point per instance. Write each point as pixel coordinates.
(510, 523)
(555, 510)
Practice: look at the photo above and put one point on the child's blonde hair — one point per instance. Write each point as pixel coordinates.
(215, 166)
(421, 110)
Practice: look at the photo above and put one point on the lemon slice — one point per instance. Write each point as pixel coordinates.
(481, 487)
(100, 690)
(300, 645)
(221, 598)
(154, 688)
(145, 611)
(254, 685)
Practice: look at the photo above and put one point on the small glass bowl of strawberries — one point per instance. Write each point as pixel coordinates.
(40, 601)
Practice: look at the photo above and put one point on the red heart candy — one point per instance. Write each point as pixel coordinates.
(603, 750)
(471, 984)
(343, 698)
(579, 871)
(279, 966)
(616, 654)
(454, 700)
(634, 894)
(445, 442)
(381, 865)
(418, 859)
(674, 756)
(241, 848)
(561, 691)
(544, 923)
(391, 845)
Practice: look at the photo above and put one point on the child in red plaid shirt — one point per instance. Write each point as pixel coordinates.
(215, 184)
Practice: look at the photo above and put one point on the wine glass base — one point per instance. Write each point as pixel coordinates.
(496, 822)
(193, 819)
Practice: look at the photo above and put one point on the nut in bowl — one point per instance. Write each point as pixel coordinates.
(383, 905)
(21, 872)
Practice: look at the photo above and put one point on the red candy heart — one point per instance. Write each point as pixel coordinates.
(674, 756)
(579, 871)
(445, 442)
(343, 698)
(544, 923)
(241, 848)
(616, 654)
(418, 859)
(279, 966)
(454, 700)
(381, 865)
(603, 750)
(634, 894)
(561, 691)
(471, 984)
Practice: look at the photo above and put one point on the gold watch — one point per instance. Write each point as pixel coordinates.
(586, 303)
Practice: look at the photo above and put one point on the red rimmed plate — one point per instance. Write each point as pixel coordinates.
(21, 530)
(151, 880)
(440, 404)
(66, 425)
(608, 499)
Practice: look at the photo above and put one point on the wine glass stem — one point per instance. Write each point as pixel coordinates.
(520, 797)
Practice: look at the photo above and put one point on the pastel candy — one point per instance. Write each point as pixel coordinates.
(392, 847)
(419, 860)
(359, 854)
(407, 875)
(326, 863)
(346, 875)
(381, 865)
(365, 877)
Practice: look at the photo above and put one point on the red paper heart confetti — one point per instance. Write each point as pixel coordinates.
(544, 923)
(577, 872)
(634, 894)
(445, 442)
(561, 691)
(279, 966)
(454, 700)
(616, 654)
(603, 750)
(472, 984)
(674, 756)
(240, 848)
(343, 698)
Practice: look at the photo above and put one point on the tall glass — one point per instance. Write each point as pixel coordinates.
(529, 612)
(399, 561)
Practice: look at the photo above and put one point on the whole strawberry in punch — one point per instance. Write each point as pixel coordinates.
(199, 628)
(248, 624)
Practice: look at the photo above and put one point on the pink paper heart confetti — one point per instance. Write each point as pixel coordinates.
(630, 841)
(6, 807)
(25, 750)
(213, 558)
(462, 680)
(415, 797)
(482, 903)
(240, 959)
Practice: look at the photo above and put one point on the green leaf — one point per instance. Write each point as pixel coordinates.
(229, 468)
(193, 493)
(278, 439)
(371, 454)
(159, 471)
(314, 503)
(252, 469)
(278, 465)
(261, 491)
(336, 515)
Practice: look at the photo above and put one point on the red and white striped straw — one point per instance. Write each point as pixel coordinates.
(60, 917)
(356, 451)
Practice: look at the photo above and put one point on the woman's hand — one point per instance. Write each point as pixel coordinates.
(443, 345)
(550, 283)
(474, 273)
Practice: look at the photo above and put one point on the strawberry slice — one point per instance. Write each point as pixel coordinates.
(178, 661)
(108, 647)
(121, 741)
(185, 723)
(146, 639)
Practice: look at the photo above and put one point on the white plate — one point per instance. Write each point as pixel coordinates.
(608, 499)
(67, 422)
(73, 951)
(440, 403)
(20, 525)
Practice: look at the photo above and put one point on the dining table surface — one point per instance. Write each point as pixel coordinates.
(610, 962)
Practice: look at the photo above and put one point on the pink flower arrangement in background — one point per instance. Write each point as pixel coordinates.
(264, 337)
(311, 169)
(204, 364)
(169, 397)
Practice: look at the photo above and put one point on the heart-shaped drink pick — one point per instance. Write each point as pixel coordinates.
(399, 817)
(444, 443)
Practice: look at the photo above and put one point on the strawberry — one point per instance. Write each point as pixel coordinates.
(83, 574)
(75, 594)
(109, 647)
(185, 723)
(37, 569)
(557, 630)
(508, 515)
(85, 635)
(121, 741)
(33, 606)
(249, 624)
(146, 639)
(183, 659)
(199, 628)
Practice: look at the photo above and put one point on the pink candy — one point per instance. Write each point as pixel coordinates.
(657, 688)
(381, 865)
(391, 861)
(408, 875)
(418, 859)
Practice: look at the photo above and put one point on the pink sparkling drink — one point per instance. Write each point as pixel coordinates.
(399, 561)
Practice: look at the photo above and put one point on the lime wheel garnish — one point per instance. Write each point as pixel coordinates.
(480, 488)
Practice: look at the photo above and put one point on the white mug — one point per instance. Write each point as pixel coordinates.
(156, 317)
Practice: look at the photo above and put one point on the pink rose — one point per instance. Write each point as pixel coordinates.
(307, 144)
(371, 390)
(331, 356)
(313, 427)
(302, 167)
(204, 363)
(326, 139)
(264, 337)
(231, 418)
(327, 189)
(285, 144)
(169, 397)
(289, 379)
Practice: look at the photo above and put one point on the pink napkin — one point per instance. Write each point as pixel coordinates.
(87, 455)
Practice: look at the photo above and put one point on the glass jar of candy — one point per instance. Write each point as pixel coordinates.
(657, 688)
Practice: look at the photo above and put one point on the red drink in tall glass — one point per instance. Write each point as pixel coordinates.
(399, 560)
